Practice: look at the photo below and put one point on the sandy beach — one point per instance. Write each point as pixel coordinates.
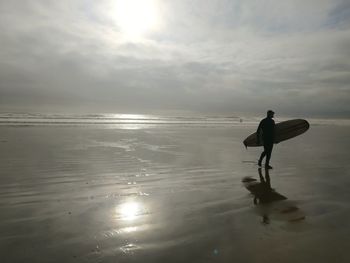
(95, 193)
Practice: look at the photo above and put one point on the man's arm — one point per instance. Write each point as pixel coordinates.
(273, 130)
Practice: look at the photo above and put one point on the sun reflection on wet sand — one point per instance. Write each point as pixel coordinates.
(131, 126)
(129, 229)
(129, 211)
(130, 116)
(128, 215)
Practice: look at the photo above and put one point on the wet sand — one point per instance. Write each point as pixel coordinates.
(170, 194)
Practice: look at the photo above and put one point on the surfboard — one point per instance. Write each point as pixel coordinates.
(284, 130)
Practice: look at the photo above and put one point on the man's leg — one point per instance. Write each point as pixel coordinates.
(268, 150)
(263, 154)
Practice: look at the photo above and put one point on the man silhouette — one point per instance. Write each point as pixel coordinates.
(266, 132)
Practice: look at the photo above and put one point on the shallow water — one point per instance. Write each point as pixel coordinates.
(170, 194)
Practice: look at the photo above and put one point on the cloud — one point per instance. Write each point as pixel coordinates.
(211, 56)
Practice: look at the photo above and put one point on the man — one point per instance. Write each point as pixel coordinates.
(266, 131)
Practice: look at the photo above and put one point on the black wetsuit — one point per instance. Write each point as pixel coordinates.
(267, 127)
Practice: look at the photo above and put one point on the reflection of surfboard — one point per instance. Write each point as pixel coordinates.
(271, 204)
(283, 131)
(282, 211)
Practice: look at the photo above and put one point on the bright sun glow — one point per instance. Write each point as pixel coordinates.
(136, 17)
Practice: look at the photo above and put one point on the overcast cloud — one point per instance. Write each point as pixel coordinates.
(211, 56)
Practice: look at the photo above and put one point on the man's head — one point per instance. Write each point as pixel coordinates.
(270, 113)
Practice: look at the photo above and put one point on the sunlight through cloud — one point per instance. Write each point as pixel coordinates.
(135, 18)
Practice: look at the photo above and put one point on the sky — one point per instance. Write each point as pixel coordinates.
(206, 56)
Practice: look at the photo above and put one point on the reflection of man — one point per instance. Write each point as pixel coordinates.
(266, 131)
(262, 195)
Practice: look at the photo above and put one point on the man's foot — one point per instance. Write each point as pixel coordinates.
(267, 166)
